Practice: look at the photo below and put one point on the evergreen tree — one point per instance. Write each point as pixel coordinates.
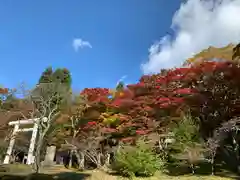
(62, 76)
(46, 76)
(55, 84)
(120, 86)
(59, 76)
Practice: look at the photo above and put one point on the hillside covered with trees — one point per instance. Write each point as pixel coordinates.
(182, 117)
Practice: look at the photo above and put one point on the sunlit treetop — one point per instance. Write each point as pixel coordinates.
(227, 53)
(60, 75)
(96, 94)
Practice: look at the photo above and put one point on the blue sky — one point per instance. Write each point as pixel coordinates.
(40, 33)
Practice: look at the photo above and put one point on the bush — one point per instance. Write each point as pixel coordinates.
(188, 145)
(137, 160)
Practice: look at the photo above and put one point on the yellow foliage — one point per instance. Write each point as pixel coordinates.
(121, 94)
(113, 92)
(110, 119)
(106, 114)
(225, 53)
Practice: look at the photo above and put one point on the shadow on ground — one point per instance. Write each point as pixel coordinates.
(72, 176)
(58, 176)
(24, 172)
(203, 169)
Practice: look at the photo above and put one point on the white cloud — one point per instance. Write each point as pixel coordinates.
(197, 24)
(79, 43)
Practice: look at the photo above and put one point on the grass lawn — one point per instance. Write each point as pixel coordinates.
(61, 173)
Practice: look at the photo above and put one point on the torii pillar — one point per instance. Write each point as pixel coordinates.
(30, 158)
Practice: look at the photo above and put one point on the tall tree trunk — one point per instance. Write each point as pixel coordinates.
(71, 152)
(82, 163)
(193, 168)
(37, 162)
(107, 160)
(99, 164)
(212, 163)
(70, 159)
(81, 160)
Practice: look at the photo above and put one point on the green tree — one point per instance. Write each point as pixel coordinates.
(139, 160)
(51, 81)
(188, 145)
(120, 86)
(46, 76)
(60, 75)
(49, 100)
(50, 97)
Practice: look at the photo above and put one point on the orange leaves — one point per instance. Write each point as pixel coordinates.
(116, 103)
(177, 100)
(92, 123)
(144, 105)
(163, 99)
(141, 108)
(184, 91)
(96, 94)
(4, 90)
(122, 103)
(109, 130)
(123, 117)
(168, 102)
(127, 140)
(89, 125)
(148, 108)
(141, 132)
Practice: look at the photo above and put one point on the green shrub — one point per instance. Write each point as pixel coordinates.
(188, 145)
(137, 160)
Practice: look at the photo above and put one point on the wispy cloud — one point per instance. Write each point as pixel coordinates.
(78, 43)
(197, 25)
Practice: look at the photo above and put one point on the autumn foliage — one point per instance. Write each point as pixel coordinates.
(208, 90)
(4, 91)
(96, 94)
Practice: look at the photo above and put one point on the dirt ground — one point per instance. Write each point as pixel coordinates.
(61, 173)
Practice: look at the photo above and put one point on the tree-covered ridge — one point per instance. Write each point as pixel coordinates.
(229, 53)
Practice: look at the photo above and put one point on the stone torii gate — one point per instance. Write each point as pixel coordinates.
(16, 124)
